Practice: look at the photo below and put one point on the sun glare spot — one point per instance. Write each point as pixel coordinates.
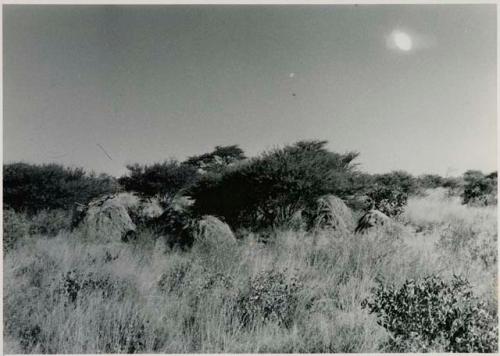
(402, 41)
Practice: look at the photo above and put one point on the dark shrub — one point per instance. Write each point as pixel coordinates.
(32, 188)
(174, 226)
(270, 296)
(430, 314)
(389, 201)
(389, 192)
(268, 189)
(430, 181)
(452, 183)
(480, 189)
(165, 178)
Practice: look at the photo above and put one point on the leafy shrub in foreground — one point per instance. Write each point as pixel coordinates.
(272, 187)
(32, 188)
(271, 297)
(433, 315)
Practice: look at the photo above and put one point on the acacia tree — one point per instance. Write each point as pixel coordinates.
(273, 186)
(218, 159)
(31, 188)
(168, 177)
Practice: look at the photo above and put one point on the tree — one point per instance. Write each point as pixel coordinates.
(275, 185)
(168, 177)
(218, 159)
(31, 188)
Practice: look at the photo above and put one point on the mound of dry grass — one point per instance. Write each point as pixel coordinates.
(332, 213)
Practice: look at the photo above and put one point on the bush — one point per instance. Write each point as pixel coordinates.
(273, 187)
(430, 314)
(16, 226)
(480, 189)
(166, 178)
(33, 188)
(174, 226)
(51, 222)
(430, 181)
(75, 284)
(389, 192)
(271, 297)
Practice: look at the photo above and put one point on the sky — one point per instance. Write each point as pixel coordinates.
(410, 87)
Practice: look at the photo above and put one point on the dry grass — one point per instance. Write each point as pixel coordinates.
(68, 295)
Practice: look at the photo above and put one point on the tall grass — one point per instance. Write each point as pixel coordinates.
(67, 295)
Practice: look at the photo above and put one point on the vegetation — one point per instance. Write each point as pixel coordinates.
(389, 192)
(270, 261)
(166, 178)
(480, 189)
(270, 189)
(218, 159)
(32, 188)
(432, 314)
(171, 176)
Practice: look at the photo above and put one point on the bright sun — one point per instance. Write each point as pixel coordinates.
(402, 40)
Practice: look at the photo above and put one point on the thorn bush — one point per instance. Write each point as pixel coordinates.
(431, 314)
(270, 297)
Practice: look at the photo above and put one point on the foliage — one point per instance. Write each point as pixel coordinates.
(175, 227)
(474, 239)
(16, 226)
(66, 295)
(166, 178)
(50, 222)
(430, 181)
(431, 314)
(218, 159)
(273, 186)
(32, 188)
(480, 189)
(174, 278)
(389, 192)
(452, 183)
(74, 284)
(270, 296)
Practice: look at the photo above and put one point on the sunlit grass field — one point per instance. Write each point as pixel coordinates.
(65, 294)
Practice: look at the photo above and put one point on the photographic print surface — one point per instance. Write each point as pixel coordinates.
(250, 179)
